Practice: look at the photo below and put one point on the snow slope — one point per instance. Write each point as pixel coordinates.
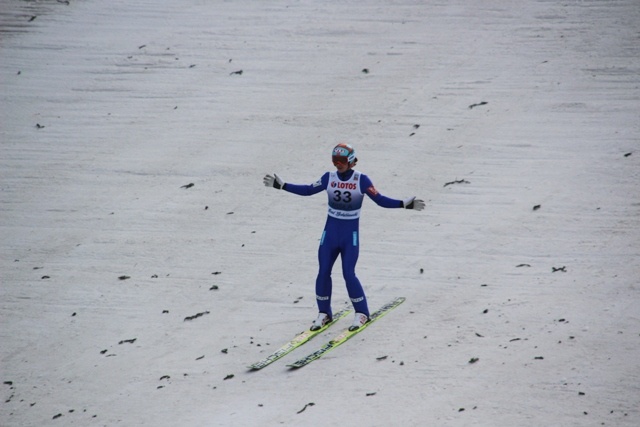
(517, 122)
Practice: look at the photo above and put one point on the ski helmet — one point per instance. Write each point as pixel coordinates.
(344, 153)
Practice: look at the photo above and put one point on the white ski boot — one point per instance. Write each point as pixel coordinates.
(359, 320)
(321, 320)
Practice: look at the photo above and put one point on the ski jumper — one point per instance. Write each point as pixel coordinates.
(340, 236)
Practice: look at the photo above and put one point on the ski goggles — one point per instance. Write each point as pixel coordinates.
(340, 160)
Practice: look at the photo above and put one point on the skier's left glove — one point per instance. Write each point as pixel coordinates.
(273, 181)
(413, 203)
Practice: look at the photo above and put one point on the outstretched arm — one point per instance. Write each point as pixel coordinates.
(388, 202)
(302, 190)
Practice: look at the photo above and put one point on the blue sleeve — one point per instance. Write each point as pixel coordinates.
(308, 190)
(366, 186)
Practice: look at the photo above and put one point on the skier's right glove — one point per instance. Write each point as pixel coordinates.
(413, 203)
(273, 181)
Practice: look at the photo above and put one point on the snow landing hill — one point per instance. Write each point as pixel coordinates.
(144, 266)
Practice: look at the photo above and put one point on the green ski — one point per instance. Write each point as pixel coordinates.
(346, 334)
(300, 339)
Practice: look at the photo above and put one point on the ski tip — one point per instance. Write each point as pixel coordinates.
(398, 301)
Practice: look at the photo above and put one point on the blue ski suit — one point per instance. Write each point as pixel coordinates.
(340, 235)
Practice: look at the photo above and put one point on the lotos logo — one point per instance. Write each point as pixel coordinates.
(344, 185)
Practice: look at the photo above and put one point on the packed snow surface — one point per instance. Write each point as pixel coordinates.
(144, 266)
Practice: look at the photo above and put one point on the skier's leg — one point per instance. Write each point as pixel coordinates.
(327, 255)
(350, 252)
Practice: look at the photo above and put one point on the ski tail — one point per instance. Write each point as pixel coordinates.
(296, 342)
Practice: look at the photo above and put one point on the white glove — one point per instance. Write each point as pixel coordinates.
(413, 203)
(273, 181)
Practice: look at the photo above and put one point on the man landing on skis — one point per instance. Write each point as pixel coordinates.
(345, 188)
